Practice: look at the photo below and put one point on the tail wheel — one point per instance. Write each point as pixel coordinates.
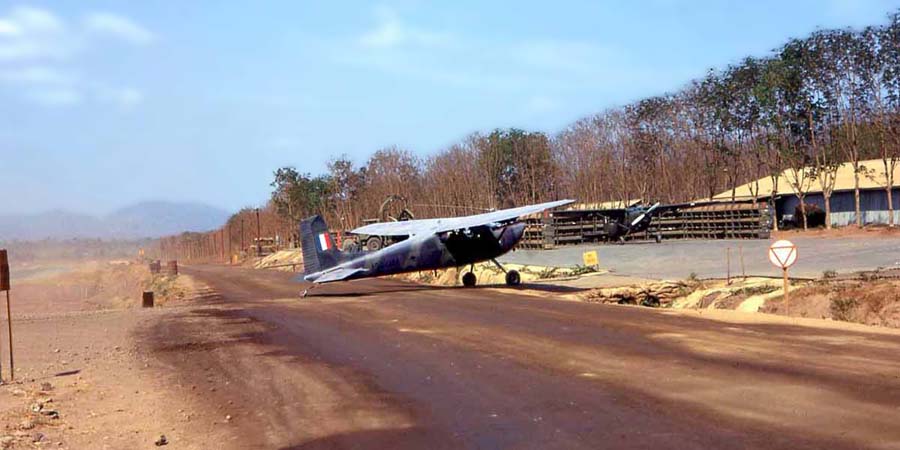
(513, 278)
(374, 243)
(469, 279)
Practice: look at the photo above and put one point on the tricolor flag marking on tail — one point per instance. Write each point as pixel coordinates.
(325, 241)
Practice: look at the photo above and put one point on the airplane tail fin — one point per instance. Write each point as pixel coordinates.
(319, 250)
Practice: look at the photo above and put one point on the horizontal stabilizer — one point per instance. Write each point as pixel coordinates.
(337, 275)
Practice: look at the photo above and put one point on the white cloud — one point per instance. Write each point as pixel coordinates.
(561, 55)
(122, 97)
(451, 57)
(540, 104)
(105, 23)
(36, 75)
(40, 50)
(36, 20)
(8, 28)
(28, 33)
(391, 32)
(55, 97)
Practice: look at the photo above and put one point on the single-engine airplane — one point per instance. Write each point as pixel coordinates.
(430, 244)
(629, 220)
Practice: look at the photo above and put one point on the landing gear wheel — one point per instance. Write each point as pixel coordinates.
(469, 279)
(658, 238)
(373, 244)
(513, 278)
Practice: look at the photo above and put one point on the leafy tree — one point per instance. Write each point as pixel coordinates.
(297, 195)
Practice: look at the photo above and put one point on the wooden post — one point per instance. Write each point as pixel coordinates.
(147, 299)
(728, 263)
(786, 287)
(172, 268)
(258, 243)
(743, 271)
(12, 364)
(5, 286)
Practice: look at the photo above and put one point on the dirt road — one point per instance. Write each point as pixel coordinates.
(381, 364)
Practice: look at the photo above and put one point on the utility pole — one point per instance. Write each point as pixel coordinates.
(258, 243)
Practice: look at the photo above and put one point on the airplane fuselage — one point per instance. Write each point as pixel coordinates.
(437, 251)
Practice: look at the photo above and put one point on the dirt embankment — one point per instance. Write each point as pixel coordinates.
(93, 286)
(868, 301)
(83, 380)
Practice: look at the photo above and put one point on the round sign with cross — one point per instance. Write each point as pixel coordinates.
(783, 254)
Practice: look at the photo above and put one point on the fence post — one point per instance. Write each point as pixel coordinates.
(147, 299)
(728, 263)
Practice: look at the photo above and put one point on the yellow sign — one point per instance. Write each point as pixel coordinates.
(590, 258)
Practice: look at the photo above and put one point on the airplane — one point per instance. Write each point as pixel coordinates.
(630, 220)
(430, 244)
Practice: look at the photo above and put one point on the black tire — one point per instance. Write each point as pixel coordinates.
(374, 243)
(469, 279)
(513, 278)
(658, 238)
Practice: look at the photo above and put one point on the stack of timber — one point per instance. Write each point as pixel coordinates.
(707, 221)
(715, 221)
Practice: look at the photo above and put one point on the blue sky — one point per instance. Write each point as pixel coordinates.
(105, 103)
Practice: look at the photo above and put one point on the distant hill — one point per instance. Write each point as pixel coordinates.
(142, 220)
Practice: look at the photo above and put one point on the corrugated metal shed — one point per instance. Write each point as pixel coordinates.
(872, 177)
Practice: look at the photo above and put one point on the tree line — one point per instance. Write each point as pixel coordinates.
(807, 107)
(816, 102)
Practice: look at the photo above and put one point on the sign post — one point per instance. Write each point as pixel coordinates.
(783, 254)
(590, 259)
(4, 286)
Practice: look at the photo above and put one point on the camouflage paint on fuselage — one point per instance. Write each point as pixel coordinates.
(435, 251)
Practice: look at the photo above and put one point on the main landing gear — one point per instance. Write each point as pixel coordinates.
(469, 279)
(513, 278)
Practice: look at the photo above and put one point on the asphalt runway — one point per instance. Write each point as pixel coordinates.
(385, 364)
(708, 258)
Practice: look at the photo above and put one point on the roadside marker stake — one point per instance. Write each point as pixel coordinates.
(5, 286)
(728, 263)
(783, 254)
(743, 271)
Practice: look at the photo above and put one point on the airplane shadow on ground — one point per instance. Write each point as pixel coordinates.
(370, 292)
(418, 288)
(403, 438)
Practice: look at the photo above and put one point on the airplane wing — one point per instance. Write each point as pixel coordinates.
(430, 226)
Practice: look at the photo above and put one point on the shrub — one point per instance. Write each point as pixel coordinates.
(581, 270)
(842, 308)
